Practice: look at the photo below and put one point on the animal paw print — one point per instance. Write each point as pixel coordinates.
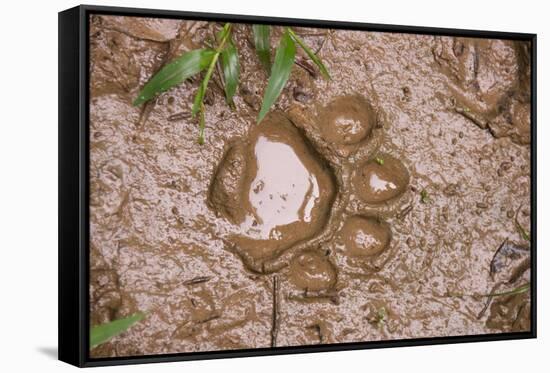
(490, 81)
(304, 182)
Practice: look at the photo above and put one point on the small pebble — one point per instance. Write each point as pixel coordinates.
(504, 166)
(300, 94)
(482, 205)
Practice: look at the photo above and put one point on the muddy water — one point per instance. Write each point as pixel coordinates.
(379, 205)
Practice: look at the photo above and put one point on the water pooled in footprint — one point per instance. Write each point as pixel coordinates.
(273, 186)
(347, 120)
(283, 191)
(381, 179)
(364, 236)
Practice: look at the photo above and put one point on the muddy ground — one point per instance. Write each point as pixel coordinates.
(382, 204)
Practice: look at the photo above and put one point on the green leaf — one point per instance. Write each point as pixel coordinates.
(230, 67)
(311, 55)
(183, 67)
(424, 196)
(102, 333)
(282, 66)
(262, 45)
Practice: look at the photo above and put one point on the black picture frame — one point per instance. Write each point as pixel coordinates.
(74, 185)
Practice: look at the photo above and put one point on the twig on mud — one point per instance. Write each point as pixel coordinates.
(307, 67)
(275, 319)
(405, 211)
(197, 280)
(221, 83)
(179, 116)
(323, 42)
(331, 295)
(489, 299)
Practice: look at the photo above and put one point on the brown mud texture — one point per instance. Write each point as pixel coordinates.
(385, 203)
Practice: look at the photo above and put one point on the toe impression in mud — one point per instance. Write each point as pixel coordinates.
(380, 186)
(365, 242)
(348, 126)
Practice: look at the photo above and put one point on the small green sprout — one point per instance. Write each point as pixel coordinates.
(424, 196)
(223, 58)
(381, 317)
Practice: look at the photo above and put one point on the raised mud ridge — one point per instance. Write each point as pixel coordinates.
(296, 181)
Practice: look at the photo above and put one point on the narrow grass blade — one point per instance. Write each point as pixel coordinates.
(282, 66)
(223, 33)
(174, 73)
(230, 67)
(202, 124)
(262, 45)
(199, 97)
(522, 232)
(518, 290)
(311, 55)
(223, 36)
(102, 333)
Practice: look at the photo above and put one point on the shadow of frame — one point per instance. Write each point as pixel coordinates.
(50, 352)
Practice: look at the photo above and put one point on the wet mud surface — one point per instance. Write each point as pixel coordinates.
(382, 204)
